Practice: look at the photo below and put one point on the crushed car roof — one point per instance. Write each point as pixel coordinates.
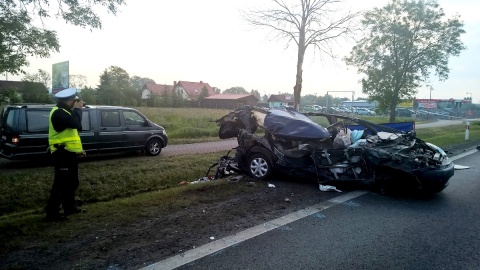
(293, 125)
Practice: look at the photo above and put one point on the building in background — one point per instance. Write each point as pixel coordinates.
(443, 104)
(193, 90)
(276, 101)
(360, 104)
(150, 90)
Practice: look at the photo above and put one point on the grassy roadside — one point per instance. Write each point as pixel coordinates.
(102, 180)
(450, 136)
(116, 191)
(18, 230)
(186, 125)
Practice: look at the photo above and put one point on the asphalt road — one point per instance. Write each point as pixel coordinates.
(199, 148)
(441, 123)
(370, 231)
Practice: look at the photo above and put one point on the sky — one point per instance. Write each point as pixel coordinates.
(191, 40)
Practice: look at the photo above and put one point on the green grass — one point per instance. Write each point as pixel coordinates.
(185, 125)
(448, 136)
(104, 180)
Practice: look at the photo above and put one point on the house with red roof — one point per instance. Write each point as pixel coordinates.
(229, 101)
(187, 90)
(153, 89)
(193, 90)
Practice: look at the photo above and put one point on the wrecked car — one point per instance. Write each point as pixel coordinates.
(332, 148)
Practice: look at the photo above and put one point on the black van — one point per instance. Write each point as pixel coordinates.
(24, 131)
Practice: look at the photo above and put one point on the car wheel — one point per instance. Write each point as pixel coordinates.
(153, 147)
(259, 166)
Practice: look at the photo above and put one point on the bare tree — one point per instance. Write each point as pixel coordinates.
(77, 81)
(313, 23)
(42, 76)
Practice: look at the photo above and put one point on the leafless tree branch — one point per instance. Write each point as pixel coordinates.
(307, 23)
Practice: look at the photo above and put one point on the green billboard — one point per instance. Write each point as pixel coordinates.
(60, 74)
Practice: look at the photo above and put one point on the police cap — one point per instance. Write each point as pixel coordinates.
(69, 93)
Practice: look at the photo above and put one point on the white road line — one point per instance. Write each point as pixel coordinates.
(212, 247)
(463, 155)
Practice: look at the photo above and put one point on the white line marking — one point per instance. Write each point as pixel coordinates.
(212, 247)
(463, 155)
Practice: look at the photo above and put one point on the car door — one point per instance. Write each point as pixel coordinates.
(136, 128)
(111, 134)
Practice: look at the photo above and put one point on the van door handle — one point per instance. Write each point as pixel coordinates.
(104, 129)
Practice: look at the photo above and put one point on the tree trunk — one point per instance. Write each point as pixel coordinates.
(393, 105)
(297, 89)
(392, 112)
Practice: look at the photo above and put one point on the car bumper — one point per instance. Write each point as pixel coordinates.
(435, 179)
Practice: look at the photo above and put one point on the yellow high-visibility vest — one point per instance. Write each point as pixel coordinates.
(69, 137)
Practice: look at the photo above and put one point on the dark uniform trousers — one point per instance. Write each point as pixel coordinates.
(65, 182)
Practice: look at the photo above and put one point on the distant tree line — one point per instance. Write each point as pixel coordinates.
(117, 88)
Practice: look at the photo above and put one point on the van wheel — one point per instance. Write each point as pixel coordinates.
(259, 166)
(153, 147)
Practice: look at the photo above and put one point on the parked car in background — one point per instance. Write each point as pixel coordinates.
(24, 131)
(404, 112)
(292, 143)
(364, 111)
(334, 110)
(311, 108)
(346, 109)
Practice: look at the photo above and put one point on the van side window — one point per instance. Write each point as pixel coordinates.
(133, 118)
(37, 120)
(86, 120)
(9, 121)
(110, 119)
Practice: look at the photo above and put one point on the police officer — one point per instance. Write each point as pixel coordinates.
(65, 145)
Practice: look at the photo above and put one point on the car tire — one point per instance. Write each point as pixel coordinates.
(259, 166)
(153, 147)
